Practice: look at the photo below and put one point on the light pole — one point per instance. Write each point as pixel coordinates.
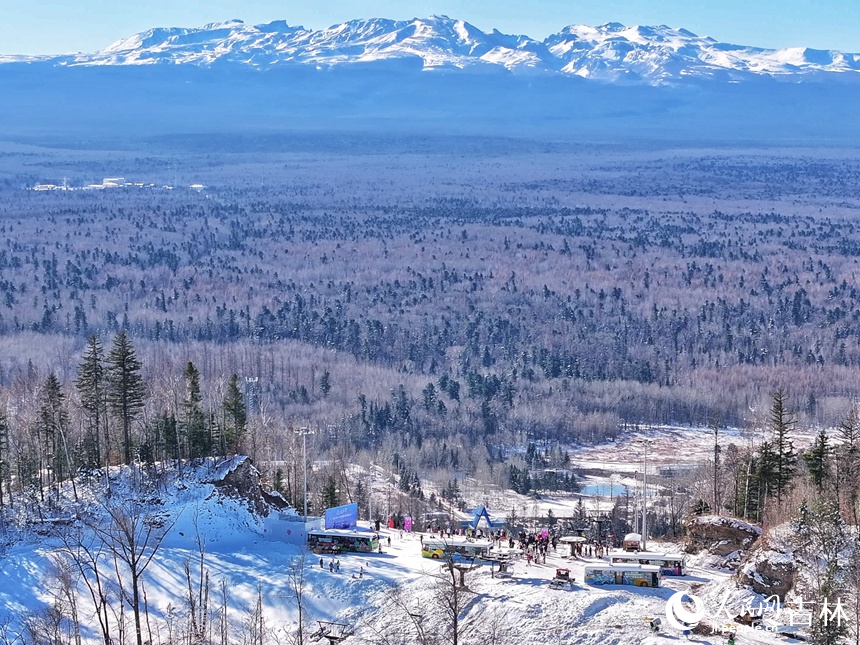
(646, 443)
(305, 431)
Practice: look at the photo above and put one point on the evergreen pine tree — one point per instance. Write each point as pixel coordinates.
(235, 417)
(53, 424)
(817, 460)
(126, 389)
(91, 389)
(167, 435)
(765, 480)
(325, 383)
(194, 421)
(329, 493)
(782, 422)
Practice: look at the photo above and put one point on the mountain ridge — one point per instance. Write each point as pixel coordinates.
(611, 52)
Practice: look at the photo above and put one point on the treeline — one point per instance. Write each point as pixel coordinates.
(121, 409)
(41, 447)
(814, 491)
(765, 480)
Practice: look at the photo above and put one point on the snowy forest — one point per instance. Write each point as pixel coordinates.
(446, 319)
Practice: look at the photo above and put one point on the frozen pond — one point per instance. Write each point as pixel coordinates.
(601, 490)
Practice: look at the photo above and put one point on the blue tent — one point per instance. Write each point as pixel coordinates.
(480, 513)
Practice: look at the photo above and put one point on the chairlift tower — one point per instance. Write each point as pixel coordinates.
(333, 632)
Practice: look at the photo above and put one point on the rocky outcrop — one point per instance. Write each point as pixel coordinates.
(726, 537)
(768, 571)
(237, 477)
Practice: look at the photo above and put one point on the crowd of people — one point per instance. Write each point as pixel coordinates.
(534, 544)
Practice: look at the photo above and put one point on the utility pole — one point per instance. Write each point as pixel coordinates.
(716, 507)
(305, 431)
(647, 443)
(645, 503)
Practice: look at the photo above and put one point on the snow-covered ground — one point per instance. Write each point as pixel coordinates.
(383, 597)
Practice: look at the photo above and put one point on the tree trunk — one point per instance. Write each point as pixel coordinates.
(135, 604)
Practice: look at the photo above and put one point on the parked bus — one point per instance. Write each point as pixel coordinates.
(334, 541)
(670, 565)
(640, 575)
(457, 548)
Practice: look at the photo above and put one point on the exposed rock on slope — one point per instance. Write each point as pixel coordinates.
(726, 537)
(768, 571)
(237, 477)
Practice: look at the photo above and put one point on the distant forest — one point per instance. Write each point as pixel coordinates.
(448, 308)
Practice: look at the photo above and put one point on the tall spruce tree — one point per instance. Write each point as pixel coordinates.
(194, 421)
(781, 423)
(235, 417)
(765, 479)
(53, 426)
(126, 390)
(91, 388)
(817, 460)
(329, 497)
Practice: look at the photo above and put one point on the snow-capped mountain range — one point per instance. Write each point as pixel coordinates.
(611, 52)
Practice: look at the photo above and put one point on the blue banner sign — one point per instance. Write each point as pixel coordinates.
(341, 517)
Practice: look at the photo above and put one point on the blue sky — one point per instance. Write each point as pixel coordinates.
(58, 26)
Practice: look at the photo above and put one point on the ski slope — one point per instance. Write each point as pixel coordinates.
(381, 597)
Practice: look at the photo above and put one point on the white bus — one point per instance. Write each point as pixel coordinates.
(640, 575)
(670, 565)
(457, 548)
(336, 541)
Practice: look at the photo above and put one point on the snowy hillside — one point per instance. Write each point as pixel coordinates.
(217, 568)
(610, 52)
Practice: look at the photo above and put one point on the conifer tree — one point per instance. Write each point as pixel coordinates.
(235, 417)
(53, 426)
(91, 387)
(194, 421)
(817, 460)
(126, 389)
(330, 497)
(785, 457)
(765, 481)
